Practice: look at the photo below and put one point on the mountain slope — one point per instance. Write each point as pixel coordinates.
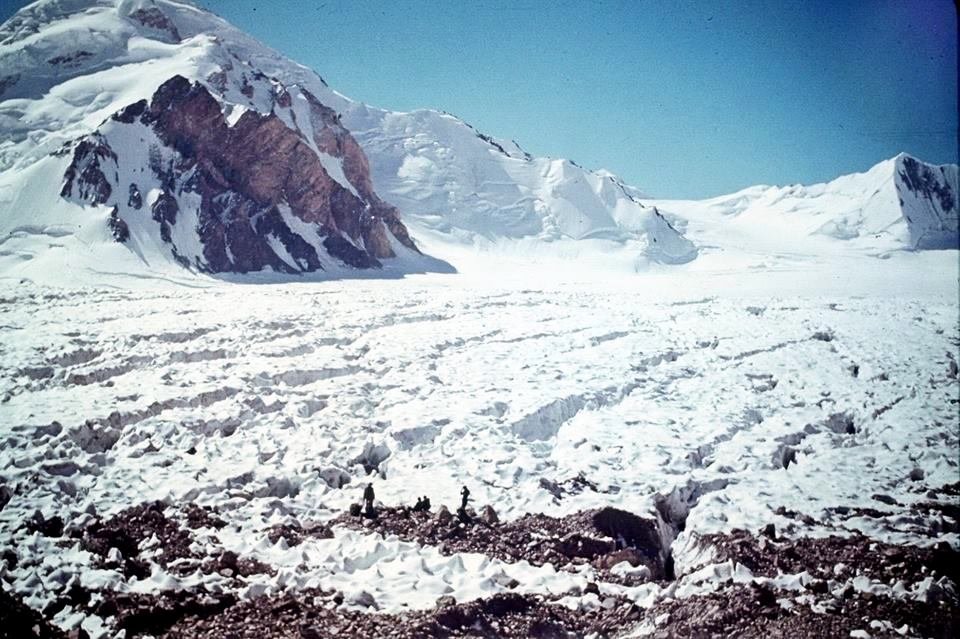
(150, 130)
(71, 66)
(451, 179)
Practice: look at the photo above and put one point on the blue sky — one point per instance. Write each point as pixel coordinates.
(683, 99)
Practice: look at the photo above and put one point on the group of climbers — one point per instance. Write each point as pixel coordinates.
(422, 505)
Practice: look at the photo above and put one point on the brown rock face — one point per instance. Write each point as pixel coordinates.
(85, 179)
(246, 175)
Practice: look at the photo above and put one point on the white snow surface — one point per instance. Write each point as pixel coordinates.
(873, 213)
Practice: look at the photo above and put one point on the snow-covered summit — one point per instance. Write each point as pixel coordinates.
(900, 203)
(448, 178)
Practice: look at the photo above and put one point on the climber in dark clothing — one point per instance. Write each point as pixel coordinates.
(426, 503)
(465, 497)
(418, 507)
(368, 498)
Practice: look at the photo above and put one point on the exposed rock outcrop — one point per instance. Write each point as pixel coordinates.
(928, 198)
(257, 193)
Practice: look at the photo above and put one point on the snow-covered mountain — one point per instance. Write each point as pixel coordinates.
(452, 180)
(133, 123)
(900, 203)
(153, 133)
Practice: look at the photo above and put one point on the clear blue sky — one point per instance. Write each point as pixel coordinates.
(685, 99)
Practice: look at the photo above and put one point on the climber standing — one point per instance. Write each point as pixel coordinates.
(464, 498)
(368, 498)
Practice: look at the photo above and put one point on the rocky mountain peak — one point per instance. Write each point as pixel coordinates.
(256, 193)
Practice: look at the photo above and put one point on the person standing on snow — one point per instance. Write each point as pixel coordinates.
(368, 498)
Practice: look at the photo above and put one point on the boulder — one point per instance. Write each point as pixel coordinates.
(629, 555)
(443, 516)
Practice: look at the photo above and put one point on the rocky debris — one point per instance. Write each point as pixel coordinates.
(48, 527)
(820, 556)
(19, 621)
(154, 615)
(601, 537)
(134, 537)
(489, 516)
(229, 564)
(294, 533)
(755, 611)
(202, 517)
(314, 614)
(119, 538)
(443, 516)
